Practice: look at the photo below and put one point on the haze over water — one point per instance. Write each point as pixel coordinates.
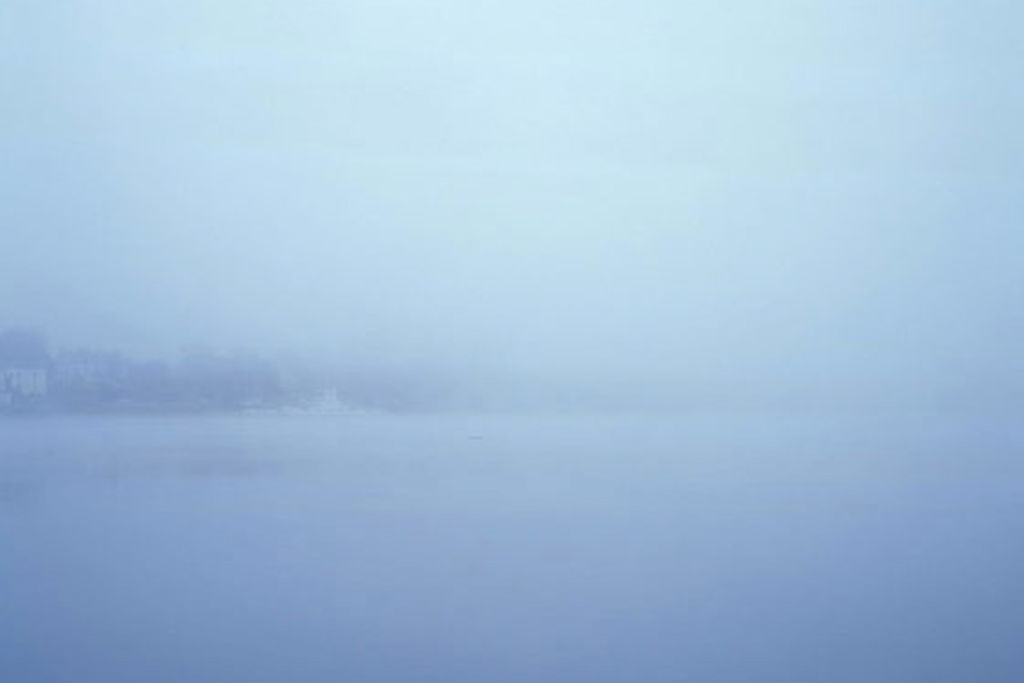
(385, 549)
(691, 334)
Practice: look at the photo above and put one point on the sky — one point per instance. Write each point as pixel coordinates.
(645, 203)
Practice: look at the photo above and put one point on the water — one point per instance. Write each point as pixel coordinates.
(455, 549)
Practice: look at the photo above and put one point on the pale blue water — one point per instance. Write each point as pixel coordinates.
(511, 549)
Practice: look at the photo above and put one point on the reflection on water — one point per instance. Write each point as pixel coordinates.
(511, 549)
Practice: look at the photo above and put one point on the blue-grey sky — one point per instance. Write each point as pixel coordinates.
(701, 200)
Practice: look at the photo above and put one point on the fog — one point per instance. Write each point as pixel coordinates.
(462, 549)
(639, 204)
(469, 341)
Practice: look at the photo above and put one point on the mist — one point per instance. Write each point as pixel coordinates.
(476, 341)
(657, 202)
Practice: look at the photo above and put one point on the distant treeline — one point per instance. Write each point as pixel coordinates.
(98, 380)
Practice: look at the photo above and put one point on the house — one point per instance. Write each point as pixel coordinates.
(24, 365)
(23, 381)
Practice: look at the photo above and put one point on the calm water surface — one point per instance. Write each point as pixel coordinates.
(456, 549)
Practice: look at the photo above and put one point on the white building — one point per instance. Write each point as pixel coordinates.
(22, 381)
